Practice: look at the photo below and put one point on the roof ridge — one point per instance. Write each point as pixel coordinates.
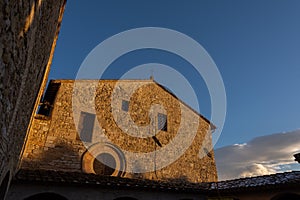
(258, 176)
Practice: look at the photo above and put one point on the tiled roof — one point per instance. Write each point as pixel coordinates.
(273, 181)
(77, 178)
(279, 180)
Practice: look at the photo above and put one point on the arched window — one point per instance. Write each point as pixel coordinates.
(104, 159)
(285, 196)
(46, 196)
(4, 185)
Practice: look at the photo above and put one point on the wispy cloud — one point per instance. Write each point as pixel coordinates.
(262, 155)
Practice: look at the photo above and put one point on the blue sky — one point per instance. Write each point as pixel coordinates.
(255, 45)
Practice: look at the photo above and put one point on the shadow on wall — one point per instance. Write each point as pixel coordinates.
(46, 196)
(289, 196)
(61, 156)
(4, 185)
(180, 180)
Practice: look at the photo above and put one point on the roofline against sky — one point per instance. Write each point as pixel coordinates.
(212, 126)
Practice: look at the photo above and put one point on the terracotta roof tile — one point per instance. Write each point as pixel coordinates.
(279, 180)
(66, 178)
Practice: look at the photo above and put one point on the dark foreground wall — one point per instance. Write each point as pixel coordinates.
(28, 33)
(60, 185)
(61, 192)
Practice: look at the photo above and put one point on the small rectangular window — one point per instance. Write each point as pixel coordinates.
(125, 105)
(48, 99)
(86, 126)
(162, 122)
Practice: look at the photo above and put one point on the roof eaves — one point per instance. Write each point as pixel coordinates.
(212, 126)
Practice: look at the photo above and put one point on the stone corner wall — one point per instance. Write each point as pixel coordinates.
(28, 34)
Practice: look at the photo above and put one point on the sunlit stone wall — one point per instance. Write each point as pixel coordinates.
(54, 142)
(28, 33)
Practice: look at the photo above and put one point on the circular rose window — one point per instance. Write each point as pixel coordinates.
(104, 164)
(109, 160)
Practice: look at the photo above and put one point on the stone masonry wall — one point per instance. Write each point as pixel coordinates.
(28, 33)
(53, 142)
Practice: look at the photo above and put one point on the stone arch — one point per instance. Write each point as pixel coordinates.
(4, 185)
(116, 159)
(284, 196)
(46, 196)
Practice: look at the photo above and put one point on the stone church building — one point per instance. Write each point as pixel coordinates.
(112, 139)
(135, 129)
(127, 140)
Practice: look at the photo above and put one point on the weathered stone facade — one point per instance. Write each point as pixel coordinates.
(125, 130)
(28, 33)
